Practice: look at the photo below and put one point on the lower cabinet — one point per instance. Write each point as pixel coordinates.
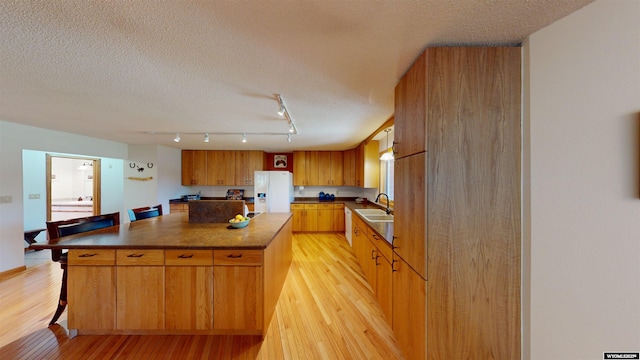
(189, 289)
(140, 289)
(409, 310)
(91, 289)
(321, 217)
(237, 293)
(325, 217)
(338, 218)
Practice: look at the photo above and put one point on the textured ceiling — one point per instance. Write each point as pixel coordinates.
(119, 69)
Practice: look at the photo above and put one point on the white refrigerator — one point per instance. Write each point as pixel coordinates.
(273, 191)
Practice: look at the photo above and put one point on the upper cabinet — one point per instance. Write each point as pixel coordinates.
(194, 167)
(305, 168)
(330, 170)
(349, 167)
(248, 161)
(411, 110)
(220, 167)
(368, 165)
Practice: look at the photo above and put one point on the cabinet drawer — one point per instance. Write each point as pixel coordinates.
(237, 257)
(188, 257)
(140, 257)
(310, 206)
(297, 206)
(338, 206)
(91, 257)
(325, 206)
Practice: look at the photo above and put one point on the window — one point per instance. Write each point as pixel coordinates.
(386, 179)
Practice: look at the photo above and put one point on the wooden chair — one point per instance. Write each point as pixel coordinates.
(58, 229)
(145, 212)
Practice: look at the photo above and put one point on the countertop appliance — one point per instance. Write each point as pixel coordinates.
(273, 191)
(347, 224)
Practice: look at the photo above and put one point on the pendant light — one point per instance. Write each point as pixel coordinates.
(388, 155)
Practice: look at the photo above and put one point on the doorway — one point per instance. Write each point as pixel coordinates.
(73, 187)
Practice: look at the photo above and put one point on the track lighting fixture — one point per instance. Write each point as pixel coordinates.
(244, 138)
(288, 137)
(285, 114)
(206, 137)
(177, 138)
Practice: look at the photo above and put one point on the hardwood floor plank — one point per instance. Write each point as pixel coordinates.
(326, 311)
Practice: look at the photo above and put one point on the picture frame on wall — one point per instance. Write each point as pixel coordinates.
(280, 161)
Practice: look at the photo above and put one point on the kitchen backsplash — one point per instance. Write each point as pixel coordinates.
(299, 191)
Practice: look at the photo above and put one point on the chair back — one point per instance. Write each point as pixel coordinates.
(58, 229)
(146, 212)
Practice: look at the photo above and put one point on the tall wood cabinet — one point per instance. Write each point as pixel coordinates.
(221, 165)
(457, 204)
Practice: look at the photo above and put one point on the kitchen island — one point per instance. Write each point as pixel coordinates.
(164, 275)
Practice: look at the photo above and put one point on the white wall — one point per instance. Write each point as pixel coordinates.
(582, 230)
(22, 213)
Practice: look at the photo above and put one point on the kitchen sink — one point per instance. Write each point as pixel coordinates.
(375, 215)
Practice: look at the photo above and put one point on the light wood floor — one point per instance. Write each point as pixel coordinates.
(326, 311)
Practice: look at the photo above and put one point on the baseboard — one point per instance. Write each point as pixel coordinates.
(9, 273)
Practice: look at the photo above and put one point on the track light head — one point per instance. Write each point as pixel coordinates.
(177, 138)
(288, 137)
(206, 137)
(281, 111)
(244, 138)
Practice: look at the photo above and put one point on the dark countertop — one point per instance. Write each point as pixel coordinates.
(248, 200)
(173, 231)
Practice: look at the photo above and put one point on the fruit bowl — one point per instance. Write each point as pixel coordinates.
(239, 224)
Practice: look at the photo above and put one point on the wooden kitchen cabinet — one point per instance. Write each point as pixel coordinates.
(178, 207)
(140, 289)
(384, 279)
(457, 204)
(248, 161)
(338, 218)
(368, 165)
(91, 289)
(325, 217)
(189, 289)
(411, 110)
(330, 168)
(409, 311)
(221, 167)
(194, 167)
(310, 218)
(349, 167)
(305, 168)
(237, 293)
(410, 211)
(305, 217)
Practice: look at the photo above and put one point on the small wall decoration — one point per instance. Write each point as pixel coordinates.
(280, 161)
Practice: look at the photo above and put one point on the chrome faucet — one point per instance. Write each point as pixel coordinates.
(388, 210)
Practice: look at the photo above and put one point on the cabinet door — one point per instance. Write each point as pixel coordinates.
(298, 217)
(384, 288)
(299, 172)
(237, 295)
(310, 220)
(324, 168)
(312, 168)
(338, 217)
(368, 165)
(349, 167)
(189, 289)
(337, 171)
(140, 297)
(139, 289)
(221, 167)
(91, 289)
(410, 110)
(369, 265)
(246, 163)
(410, 211)
(325, 217)
(409, 310)
(194, 167)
